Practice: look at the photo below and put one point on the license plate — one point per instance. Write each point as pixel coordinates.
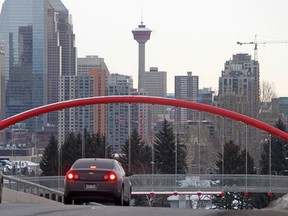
(90, 186)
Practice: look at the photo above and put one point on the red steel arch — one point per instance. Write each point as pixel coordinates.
(145, 100)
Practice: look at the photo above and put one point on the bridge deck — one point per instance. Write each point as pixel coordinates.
(189, 183)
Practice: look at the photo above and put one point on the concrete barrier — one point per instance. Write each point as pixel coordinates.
(12, 196)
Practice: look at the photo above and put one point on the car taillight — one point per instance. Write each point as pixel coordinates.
(110, 177)
(72, 176)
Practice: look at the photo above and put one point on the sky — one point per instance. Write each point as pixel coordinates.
(187, 35)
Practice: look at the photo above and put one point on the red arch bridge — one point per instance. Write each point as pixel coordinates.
(264, 182)
(145, 100)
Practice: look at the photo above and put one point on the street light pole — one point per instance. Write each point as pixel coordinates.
(35, 140)
(83, 133)
(246, 156)
(270, 161)
(129, 140)
(176, 133)
(199, 150)
(152, 163)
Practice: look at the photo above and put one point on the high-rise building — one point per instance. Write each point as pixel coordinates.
(92, 80)
(68, 118)
(239, 85)
(2, 82)
(61, 52)
(119, 114)
(2, 89)
(156, 85)
(206, 96)
(139, 116)
(141, 35)
(239, 91)
(280, 107)
(39, 48)
(94, 68)
(186, 88)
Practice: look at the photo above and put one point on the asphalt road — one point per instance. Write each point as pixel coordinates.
(100, 210)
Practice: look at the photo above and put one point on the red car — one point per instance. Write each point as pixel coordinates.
(97, 180)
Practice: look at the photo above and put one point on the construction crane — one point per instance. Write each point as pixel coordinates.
(255, 42)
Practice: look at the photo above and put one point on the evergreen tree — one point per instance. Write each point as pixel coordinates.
(95, 146)
(49, 160)
(278, 153)
(140, 154)
(234, 163)
(181, 157)
(164, 151)
(242, 163)
(278, 165)
(234, 160)
(103, 151)
(71, 150)
(90, 147)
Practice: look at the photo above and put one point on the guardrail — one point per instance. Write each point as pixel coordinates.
(33, 188)
(189, 183)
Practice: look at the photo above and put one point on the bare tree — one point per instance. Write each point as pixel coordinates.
(267, 92)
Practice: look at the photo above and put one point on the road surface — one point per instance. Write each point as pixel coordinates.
(7, 209)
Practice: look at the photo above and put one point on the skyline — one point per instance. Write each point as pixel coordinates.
(202, 36)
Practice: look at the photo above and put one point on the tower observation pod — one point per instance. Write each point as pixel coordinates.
(141, 35)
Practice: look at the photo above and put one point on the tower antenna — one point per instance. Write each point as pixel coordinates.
(141, 17)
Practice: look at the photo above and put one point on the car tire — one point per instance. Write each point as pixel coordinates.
(67, 200)
(128, 202)
(78, 202)
(1, 191)
(120, 200)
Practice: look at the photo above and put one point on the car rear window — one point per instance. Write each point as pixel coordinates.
(100, 164)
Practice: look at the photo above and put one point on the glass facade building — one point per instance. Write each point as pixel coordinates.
(39, 43)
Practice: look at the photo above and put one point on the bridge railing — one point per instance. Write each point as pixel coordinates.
(32, 188)
(189, 182)
(211, 182)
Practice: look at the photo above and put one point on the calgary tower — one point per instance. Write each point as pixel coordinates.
(141, 35)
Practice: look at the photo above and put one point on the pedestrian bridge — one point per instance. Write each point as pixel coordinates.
(165, 184)
(144, 184)
(210, 183)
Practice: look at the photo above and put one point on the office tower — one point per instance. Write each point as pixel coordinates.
(155, 84)
(271, 112)
(91, 81)
(280, 107)
(2, 89)
(2, 82)
(94, 68)
(119, 114)
(239, 85)
(206, 96)
(139, 116)
(39, 48)
(61, 52)
(186, 88)
(68, 118)
(141, 35)
(239, 91)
